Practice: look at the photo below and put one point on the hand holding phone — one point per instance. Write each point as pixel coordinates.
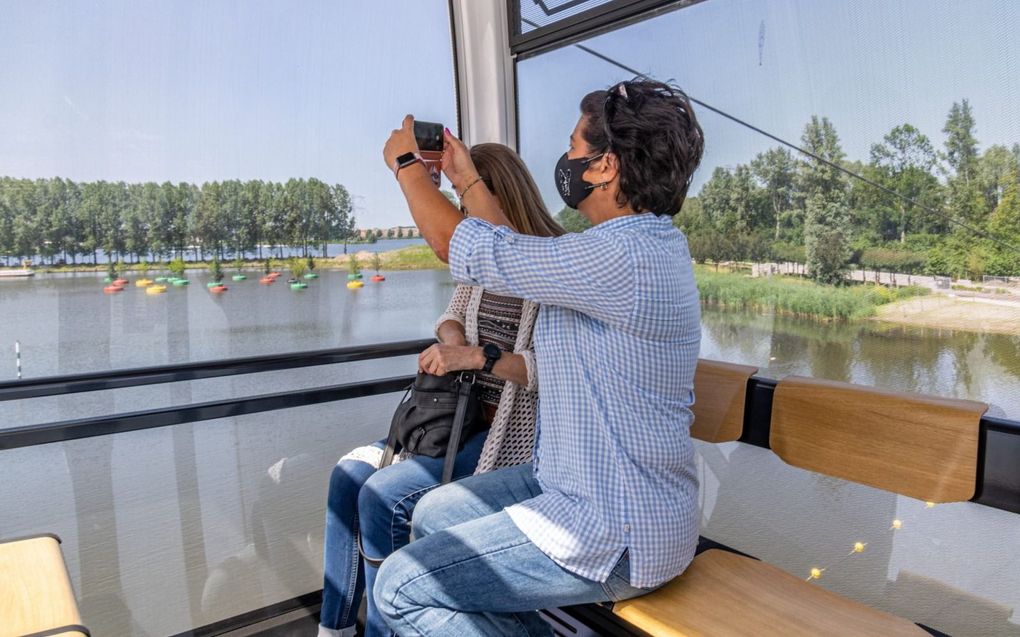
(429, 137)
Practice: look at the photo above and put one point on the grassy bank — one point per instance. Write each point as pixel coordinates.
(411, 258)
(798, 297)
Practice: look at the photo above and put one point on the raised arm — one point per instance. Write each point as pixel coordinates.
(588, 272)
(433, 213)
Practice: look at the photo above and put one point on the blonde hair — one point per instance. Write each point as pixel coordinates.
(508, 179)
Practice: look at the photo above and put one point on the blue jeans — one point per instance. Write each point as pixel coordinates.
(374, 506)
(470, 570)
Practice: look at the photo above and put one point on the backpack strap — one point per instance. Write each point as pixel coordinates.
(467, 382)
(391, 439)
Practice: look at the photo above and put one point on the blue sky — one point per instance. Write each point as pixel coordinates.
(197, 91)
(204, 90)
(868, 65)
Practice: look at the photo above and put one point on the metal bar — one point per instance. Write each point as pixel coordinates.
(606, 17)
(255, 616)
(117, 379)
(30, 435)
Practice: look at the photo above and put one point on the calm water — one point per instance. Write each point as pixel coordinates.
(66, 324)
(171, 528)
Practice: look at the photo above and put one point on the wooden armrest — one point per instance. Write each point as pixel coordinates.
(35, 590)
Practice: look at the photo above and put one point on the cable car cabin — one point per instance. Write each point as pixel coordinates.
(853, 225)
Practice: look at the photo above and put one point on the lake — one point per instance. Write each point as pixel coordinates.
(171, 528)
(66, 324)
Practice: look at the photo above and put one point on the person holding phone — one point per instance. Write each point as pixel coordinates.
(482, 331)
(608, 509)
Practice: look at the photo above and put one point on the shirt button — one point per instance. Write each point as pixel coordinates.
(626, 528)
(509, 238)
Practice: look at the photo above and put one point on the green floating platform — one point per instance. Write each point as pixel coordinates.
(298, 286)
(354, 277)
(311, 275)
(161, 279)
(179, 282)
(239, 277)
(212, 284)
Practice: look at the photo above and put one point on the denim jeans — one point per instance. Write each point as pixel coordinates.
(375, 506)
(470, 570)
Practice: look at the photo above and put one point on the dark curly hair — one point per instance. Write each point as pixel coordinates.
(650, 126)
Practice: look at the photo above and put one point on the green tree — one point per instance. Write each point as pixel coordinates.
(904, 161)
(997, 170)
(208, 221)
(297, 267)
(776, 171)
(962, 157)
(572, 220)
(177, 267)
(216, 270)
(827, 218)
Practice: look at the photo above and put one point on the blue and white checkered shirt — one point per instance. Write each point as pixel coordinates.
(617, 342)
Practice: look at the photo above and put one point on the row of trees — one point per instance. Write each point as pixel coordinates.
(780, 206)
(59, 217)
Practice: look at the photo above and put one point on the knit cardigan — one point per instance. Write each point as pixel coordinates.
(511, 438)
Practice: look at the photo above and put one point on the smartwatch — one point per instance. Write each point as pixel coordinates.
(405, 160)
(492, 354)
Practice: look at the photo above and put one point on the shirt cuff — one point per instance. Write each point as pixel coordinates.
(462, 247)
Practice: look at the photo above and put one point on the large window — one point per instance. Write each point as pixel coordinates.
(148, 140)
(242, 132)
(806, 270)
(916, 97)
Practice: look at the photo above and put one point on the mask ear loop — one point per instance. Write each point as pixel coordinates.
(587, 162)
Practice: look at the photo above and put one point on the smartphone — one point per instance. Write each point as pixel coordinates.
(430, 145)
(429, 136)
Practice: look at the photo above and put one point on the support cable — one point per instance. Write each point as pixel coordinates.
(803, 151)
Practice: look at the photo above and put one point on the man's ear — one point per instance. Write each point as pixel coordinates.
(610, 166)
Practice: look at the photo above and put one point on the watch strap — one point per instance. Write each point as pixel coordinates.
(403, 161)
(490, 361)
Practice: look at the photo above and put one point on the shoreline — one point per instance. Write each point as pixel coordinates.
(963, 313)
(967, 314)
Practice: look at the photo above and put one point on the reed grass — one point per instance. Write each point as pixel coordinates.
(798, 297)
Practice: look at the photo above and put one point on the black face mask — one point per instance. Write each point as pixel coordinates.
(570, 183)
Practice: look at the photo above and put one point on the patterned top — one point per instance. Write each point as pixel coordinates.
(511, 438)
(499, 317)
(617, 341)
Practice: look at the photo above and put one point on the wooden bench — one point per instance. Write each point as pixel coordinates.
(919, 446)
(35, 590)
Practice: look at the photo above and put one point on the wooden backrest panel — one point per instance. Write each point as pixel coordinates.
(719, 393)
(919, 446)
(35, 590)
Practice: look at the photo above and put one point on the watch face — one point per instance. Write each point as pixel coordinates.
(492, 351)
(405, 159)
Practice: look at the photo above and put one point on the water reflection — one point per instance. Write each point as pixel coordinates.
(984, 367)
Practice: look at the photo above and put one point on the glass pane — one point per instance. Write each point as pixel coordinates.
(896, 91)
(950, 567)
(169, 529)
(535, 14)
(869, 69)
(147, 132)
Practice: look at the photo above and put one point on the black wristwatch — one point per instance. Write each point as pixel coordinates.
(492, 354)
(405, 160)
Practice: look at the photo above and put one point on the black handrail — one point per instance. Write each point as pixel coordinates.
(29, 435)
(154, 375)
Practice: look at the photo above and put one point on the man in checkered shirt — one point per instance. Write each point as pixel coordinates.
(608, 508)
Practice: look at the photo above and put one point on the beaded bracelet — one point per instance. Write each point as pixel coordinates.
(477, 179)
